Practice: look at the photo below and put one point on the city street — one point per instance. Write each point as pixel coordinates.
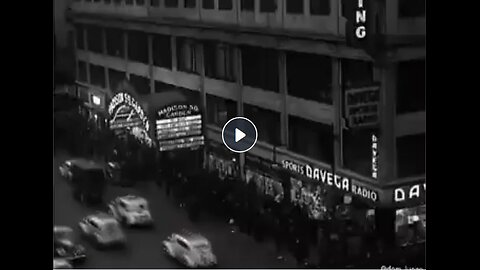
(233, 250)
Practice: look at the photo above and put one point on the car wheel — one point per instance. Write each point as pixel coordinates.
(187, 262)
(168, 250)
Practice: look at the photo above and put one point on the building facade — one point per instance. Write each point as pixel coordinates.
(325, 107)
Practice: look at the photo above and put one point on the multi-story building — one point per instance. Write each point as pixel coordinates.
(317, 99)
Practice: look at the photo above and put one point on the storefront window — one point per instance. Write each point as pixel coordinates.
(410, 86)
(311, 139)
(97, 75)
(357, 149)
(267, 123)
(82, 71)
(138, 47)
(162, 51)
(260, 68)
(94, 39)
(410, 225)
(411, 155)
(141, 84)
(220, 110)
(114, 38)
(309, 76)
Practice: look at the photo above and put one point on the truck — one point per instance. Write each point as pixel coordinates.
(88, 181)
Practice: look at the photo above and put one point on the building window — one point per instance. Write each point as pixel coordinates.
(115, 77)
(107, 2)
(247, 5)
(411, 8)
(161, 86)
(225, 4)
(357, 149)
(80, 37)
(268, 6)
(295, 6)
(154, 3)
(141, 84)
(117, 2)
(320, 7)
(140, 2)
(260, 68)
(115, 44)
(162, 51)
(190, 3)
(186, 56)
(208, 4)
(82, 72)
(94, 39)
(219, 60)
(312, 139)
(267, 123)
(410, 86)
(97, 75)
(129, 2)
(171, 3)
(411, 155)
(138, 47)
(309, 76)
(220, 110)
(356, 73)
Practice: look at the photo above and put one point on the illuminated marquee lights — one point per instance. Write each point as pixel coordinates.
(124, 98)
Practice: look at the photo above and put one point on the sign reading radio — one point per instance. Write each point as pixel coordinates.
(126, 99)
(330, 179)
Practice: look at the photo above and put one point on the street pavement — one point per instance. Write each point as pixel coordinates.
(233, 250)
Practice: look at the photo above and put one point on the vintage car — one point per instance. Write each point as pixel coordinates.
(131, 210)
(61, 264)
(64, 246)
(190, 249)
(103, 230)
(66, 169)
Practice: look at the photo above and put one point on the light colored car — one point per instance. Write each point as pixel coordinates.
(192, 250)
(65, 247)
(65, 169)
(131, 210)
(103, 230)
(61, 264)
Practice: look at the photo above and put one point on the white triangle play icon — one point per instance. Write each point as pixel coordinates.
(239, 135)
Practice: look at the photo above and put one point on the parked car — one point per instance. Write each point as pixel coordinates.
(61, 264)
(103, 230)
(116, 177)
(131, 210)
(88, 181)
(64, 246)
(66, 169)
(190, 249)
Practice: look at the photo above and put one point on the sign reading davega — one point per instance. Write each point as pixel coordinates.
(179, 126)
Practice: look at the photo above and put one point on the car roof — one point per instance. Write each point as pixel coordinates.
(102, 218)
(61, 229)
(132, 199)
(86, 164)
(191, 237)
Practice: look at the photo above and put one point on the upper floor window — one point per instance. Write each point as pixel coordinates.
(356, 73)
(267, 123)
(129, 2)
(171, 3)
(97, 75)
(295, 6)
(162, 51)
(186, 55)
(208, 4)
(107, 2)
(260, 68)
(219, 110)
(80, 36)
(138, 46)
(411, 8)
(225, 4)
(268, 6)
(309, 76)
(219, 60)
(411, 155)
(320, 7)
(94, 39)
(154, 3)
(141, 84)
(115, 43)
(190, 3)
(117, 2)
(115, 77)
(82, 71)
(247, 5)
(410, 86)
(140, 2)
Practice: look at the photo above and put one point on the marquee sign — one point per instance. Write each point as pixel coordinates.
(125, 112)
(179, 126)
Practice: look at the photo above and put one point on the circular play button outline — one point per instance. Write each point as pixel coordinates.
(251, 146)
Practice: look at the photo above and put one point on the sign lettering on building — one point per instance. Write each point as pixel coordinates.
(361, 106)
(125, 99)
(415, 193)
(374, 156)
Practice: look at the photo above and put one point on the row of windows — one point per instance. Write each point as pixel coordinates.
(317, 7)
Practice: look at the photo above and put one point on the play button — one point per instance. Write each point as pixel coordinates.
(239, 134)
